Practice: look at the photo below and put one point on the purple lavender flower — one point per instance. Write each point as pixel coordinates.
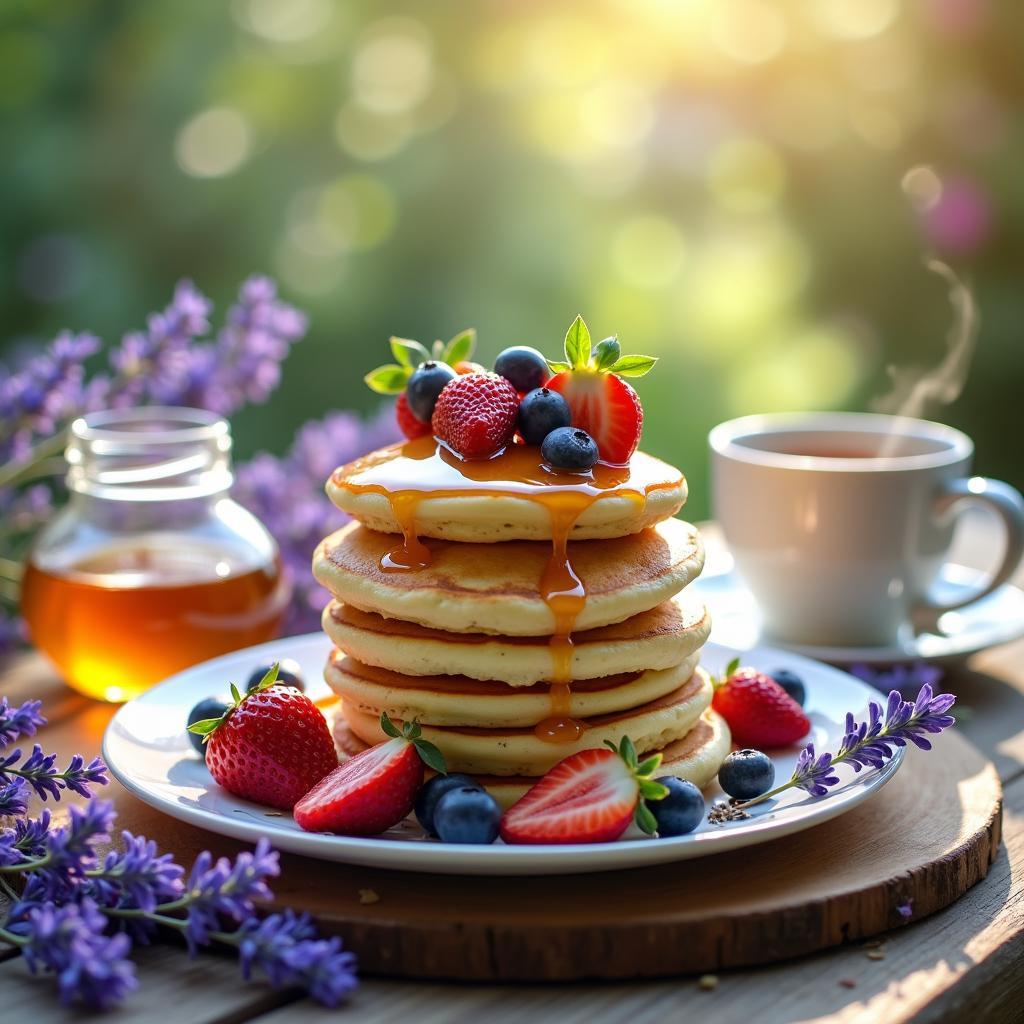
(25, 841)
(287, 494)
(285, 948)
(136, 877)
(871, 743)
(39, 771)
(226, 889)
(906, 909)
(70, 853)
(13, 802)
(91, 967)
(21, 721)
(244, 364)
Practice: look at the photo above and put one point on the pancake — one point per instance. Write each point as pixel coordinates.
(655, 639)
(495, 588)
(509, 751)
(452, 700)
(508, 497)
(696, 757)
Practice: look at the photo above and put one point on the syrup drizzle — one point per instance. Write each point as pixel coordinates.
(407, 474)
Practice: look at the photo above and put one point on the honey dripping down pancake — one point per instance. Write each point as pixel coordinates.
(410, 475)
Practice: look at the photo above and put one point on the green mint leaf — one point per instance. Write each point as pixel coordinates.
(645, 819)
(633, 366)
(651, 764)
(731, 668)
(557, 366)
(577, 345)
(460, 347)
(388, 379)
(408, 353)
(431, 756)
(205, 726)
(388, 727)
(606, 353)
(651, 790)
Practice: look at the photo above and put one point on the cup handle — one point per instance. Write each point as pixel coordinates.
(1008, 505)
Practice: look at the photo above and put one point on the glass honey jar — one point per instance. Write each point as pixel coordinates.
(151, 566)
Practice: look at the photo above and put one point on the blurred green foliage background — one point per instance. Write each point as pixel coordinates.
(746, 188)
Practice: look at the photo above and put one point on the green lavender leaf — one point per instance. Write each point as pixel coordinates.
(633, 366)
(388, 379)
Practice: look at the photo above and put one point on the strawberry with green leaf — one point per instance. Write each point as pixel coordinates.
(418, 376)
(270, 745)
(590, 797)
(374, 790)
(590, 379)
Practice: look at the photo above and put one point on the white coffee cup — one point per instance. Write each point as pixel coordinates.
(840, 522)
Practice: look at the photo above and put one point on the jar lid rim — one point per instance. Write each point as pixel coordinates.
(115, 425)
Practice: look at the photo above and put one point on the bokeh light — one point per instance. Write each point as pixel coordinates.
(213, 143)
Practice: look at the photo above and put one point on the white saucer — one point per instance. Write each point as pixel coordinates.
(148, 752)
(996, 619)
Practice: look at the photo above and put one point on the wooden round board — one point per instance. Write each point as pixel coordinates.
(921, 842)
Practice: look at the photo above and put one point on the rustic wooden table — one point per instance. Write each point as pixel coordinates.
(964, 963)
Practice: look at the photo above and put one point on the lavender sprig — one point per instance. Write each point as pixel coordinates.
(70, 941)
(25, 841)
(39, 771)
(872, 742)
(20, 721)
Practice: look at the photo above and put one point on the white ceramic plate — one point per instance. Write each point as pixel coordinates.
(147, 750)
(996, 619)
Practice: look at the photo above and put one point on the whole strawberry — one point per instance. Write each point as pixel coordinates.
(373, 790)
(475, 415)
(270, 746)
(760, 713)
(407, 423)
(600, 401)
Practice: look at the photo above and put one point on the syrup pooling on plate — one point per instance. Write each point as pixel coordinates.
(407, 474)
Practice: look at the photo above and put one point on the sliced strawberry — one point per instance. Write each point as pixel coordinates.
(606, 407)
(373, 790)
(759, 712)
(601, 402)
(590, 797)
(270, 746)
(407, 423)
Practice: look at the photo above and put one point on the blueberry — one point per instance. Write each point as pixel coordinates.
(468, 814)
(431, 793)
(792, 684)
(569, 448)
(523, 367)
(681, 811)
(425, 384)
(209, 708)
(746, 773)
(540, 412)
(289, 673)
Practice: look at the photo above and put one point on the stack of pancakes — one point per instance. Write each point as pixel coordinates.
(463, 643)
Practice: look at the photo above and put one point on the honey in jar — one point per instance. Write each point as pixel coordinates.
(151, 567)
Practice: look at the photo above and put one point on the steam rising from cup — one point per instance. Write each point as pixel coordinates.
(914, 390)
